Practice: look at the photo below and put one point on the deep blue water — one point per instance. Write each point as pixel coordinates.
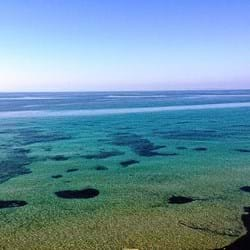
(101, 100)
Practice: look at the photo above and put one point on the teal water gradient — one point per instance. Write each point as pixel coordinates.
(132, 209)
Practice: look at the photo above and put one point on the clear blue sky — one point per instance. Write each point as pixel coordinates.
(124, 44)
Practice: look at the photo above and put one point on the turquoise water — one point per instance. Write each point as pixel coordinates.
(137, 149)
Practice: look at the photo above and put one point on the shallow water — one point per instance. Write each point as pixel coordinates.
(148, 157)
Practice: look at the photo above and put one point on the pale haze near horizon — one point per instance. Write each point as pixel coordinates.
(124, 45)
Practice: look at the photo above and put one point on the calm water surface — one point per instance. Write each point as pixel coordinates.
(115, 170)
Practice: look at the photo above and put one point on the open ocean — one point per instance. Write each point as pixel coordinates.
(117, 170)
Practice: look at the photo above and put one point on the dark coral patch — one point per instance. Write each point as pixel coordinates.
(47, 148)
(59, 158)
(240, 126)
(103, 154)
(12, 203)
(200, 149)
(72, 170)
(147, 149)
(15, 164)
(124, 127)
(245, 189)
(183, 122)
(78, 194)
(20, 155)
(57, 176)
(100, 168)
(243, 242)
(33, 135)
(169, 154)
(103, 140)
(21, 150)
(128, 163)
(140, 145)
(196, 135)
(180, 199)
(242, 150)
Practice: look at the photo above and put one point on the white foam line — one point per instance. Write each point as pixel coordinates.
(96, 112)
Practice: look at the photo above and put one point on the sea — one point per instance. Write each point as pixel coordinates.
(125, 170)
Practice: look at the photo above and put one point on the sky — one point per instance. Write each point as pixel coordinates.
(98, 45)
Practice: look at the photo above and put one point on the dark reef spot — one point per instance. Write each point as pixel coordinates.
(59, 158)
(245, 189)
(140, 145)
(78, 194)
(194, 135)
(128, 163)
(242, 150)
(169, 154)
(12, 203)
(21, 151)
(57, 176)
(103, 140)
(47, 148)
(72, 170)
(32, 135)
(180, 199)
(243, 242)
(181, 148)
(37, 158)
(200, 149)
(101, 168)
(15, 164)
(103, 154)
(183, 122)
(124, 128)
(6, 131)
(240, 126)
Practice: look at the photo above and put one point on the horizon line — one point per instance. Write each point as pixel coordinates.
(139, 90)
